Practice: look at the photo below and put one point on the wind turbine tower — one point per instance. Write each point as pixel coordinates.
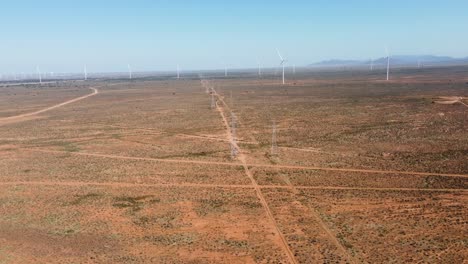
(38, 71)
(129, 72)
(259, 68)
(178, 71)
(85, 73)
(388, 64)
(225, 71)
(282, 63)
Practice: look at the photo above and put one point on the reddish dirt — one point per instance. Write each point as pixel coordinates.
(142, 173)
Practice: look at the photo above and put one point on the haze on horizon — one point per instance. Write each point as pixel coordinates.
(62, 36)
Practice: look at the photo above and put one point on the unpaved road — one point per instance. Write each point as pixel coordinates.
(243, 160)
(19, 118)
(258, 191)
(260, 165)
(207, 185)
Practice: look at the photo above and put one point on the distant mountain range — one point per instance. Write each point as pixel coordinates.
(400, 60)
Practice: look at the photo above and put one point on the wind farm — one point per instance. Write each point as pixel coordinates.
(214, 155)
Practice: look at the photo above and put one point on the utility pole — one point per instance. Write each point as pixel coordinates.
(234, 150)
(274, 147)
(213, 101)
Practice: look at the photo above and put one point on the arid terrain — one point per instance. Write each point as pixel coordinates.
(363, 170)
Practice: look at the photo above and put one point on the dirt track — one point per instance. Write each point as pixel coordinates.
(252, 164)
(19, 118)
(262, 199)
(226, 186)
(242, 158)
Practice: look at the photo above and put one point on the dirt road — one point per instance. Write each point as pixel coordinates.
(207, 185)
(241, 157)
(259, 165)
(19, 118)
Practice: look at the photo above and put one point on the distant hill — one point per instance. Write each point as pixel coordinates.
(401, 60)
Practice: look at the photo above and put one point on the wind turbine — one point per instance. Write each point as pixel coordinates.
(178, 71)
(259, 68)
(371, 64)
(225, 71)
(38, 71)
(129, 72)
(388, 64)
(85, 73)
(281, 63)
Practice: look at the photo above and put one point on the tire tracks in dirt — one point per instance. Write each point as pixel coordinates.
(135, 158)
(311, 211)
(236, 164)
(258, 191)
(260, 195)
(125, 184)
(19, 118)
(207, 185)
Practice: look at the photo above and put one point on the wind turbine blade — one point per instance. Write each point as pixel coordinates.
(279, 54)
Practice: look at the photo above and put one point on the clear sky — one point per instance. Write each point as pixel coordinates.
(63, 35)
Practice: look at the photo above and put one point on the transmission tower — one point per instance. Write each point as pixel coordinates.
(213, 101)
(234, 150)
(207, 89)
(274, 147)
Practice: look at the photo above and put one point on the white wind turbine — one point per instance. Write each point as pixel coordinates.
(38, 71)
(282, 63)
(388, 64)
(259, 68)
(85, 73)
(178, 71)
(129, 71)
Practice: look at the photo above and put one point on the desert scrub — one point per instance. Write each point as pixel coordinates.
(172, 239)
(135, 204)
(165, 221)
(80, 199)
(214, 206)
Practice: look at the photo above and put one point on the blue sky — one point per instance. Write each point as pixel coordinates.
(62, 36)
